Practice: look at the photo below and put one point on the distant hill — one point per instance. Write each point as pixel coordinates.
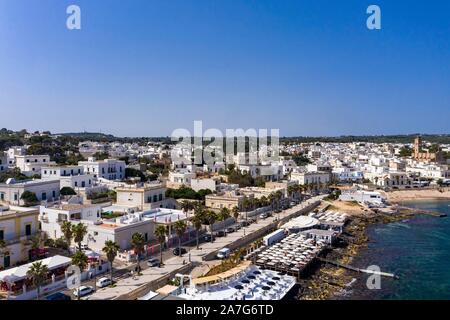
(97, 136)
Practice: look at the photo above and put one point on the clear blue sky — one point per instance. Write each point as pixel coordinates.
(145, 67)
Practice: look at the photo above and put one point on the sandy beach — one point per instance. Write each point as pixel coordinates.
(424, 194)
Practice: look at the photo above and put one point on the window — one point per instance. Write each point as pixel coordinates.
(155, 198)
(160, 197)
(15, 197)
(76, 184)
(28, 230)
(2, 235)
(44, 196)
(54, 194)
(2, 196)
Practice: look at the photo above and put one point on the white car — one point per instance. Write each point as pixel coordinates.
(103, 282)
(83, 291)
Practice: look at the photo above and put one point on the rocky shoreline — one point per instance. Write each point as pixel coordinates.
(327, 282)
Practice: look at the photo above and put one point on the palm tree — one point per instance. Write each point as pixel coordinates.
(180, 228)
(137, 241)
(197, 222)
(111, 248)
(211, 217)
(223, 215)
(186, 206)
(38, 272)
(235, 212)
(79, 231)
(247, 203)
(160, 233)
(80, 260)
(67, 231)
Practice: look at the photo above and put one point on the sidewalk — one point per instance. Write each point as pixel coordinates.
(127, 285)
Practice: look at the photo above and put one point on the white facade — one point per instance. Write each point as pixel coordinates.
(45, 190)
(181, 177)
(32, 164)
(204, 184)
(363, 196)
(52, 217)
(310, 177)
(110, 169)
(69, 176)
(147, 197)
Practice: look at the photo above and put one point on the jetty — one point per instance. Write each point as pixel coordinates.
(348, 267)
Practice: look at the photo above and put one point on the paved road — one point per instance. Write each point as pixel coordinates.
(173, 263)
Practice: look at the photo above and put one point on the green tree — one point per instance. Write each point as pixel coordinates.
(138, 241)
(180, 228)
(235, 212)
(160, 233)
(29, 198)
(79, 231)
(111, 249)
(211, 218)
(38, 272)
(223, 215)
(67, 231)
(80, 260)
(67, 191)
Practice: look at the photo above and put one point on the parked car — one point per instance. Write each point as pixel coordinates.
(153, 262)
(58, 296)
(207, 237)
(223, 253)
(263, 215)
(252, 220)
(245, 223)
(103, 282)
(230, 230)
(179, 251)
(83, 291)
(278, 211)
(84, 247)
(220, 233)
(237, 227)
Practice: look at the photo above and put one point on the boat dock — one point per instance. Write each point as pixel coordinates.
(348, 267)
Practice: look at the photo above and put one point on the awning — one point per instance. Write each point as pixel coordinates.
(19, 273)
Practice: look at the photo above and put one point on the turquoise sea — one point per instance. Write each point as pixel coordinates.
(417, 250)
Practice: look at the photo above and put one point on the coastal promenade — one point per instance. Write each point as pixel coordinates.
(133, 287)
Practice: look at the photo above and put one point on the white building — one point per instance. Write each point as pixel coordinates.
(119, 230)
(13, 152)
(45, 190)
(110, 169)
(310, 177)
(363, 196)
(51, 217)
(69, 176)
(147, 197)
(204, 184)
(272, 172)
(31, 164)
(181, 177)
